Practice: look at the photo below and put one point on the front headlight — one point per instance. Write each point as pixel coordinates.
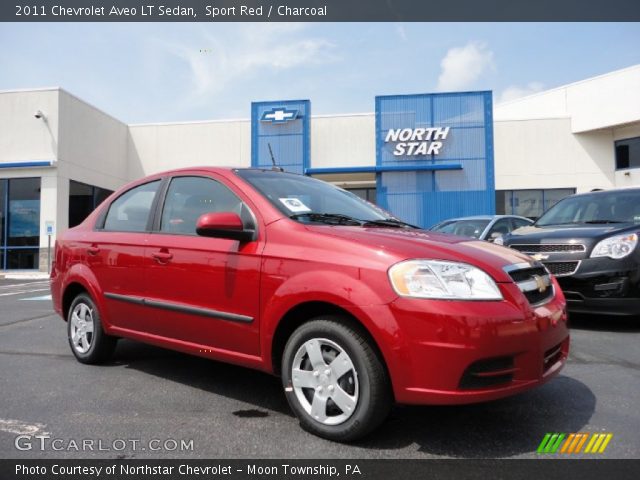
(616, 247)
(439, 279)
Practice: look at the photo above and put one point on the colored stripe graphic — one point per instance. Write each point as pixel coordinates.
(551, 442)
(573, 443)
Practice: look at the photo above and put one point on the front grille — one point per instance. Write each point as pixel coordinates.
(562, 268)
(527, 273)
(552, 356)
(549, 248)
(534, 282)
(488, 373)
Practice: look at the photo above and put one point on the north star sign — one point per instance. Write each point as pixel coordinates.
(279, 115)
(417, 141)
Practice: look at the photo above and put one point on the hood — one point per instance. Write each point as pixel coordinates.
(404, 244)
(569, 233)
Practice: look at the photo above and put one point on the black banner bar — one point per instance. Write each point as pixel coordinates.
(584, 469)
(317, 10)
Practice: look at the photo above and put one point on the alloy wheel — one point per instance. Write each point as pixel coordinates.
(325, 381)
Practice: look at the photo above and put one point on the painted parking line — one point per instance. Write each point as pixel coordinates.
(21, 292)
(42, 298)
(18, 427)
(22, 285)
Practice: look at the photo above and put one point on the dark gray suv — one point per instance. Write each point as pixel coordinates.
(589, 242)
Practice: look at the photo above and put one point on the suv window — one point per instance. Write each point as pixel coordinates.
(130, 211)
(189, 197)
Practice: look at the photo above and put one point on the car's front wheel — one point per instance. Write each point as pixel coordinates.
(89, 343)
(334, 380)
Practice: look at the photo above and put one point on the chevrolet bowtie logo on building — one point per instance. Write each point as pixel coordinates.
(279, 115)
(574, 442)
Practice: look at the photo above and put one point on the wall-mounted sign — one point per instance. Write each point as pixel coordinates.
(281, 131)
(417, 141)
(279, 115)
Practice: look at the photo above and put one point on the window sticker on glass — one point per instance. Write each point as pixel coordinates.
(294, 205)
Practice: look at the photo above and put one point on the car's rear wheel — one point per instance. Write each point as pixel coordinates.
(87, 339)
(334, 380)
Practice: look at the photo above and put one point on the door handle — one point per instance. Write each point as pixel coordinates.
(93, 250)
(162, 257)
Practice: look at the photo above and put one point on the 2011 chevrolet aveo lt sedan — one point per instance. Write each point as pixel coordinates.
(351, 307)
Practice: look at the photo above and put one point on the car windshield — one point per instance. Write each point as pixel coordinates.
(616, 206)
(465, 228)
(306, 199)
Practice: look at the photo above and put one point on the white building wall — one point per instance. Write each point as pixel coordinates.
(92, 145)
(604, 101)
(22, 136)
(344, 140)
(158, 147)
(545, 154)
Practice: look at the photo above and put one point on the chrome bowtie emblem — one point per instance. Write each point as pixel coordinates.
(539, 257)
(540, 283)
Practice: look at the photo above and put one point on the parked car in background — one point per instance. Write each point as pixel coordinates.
(589, 242)
(284, 273)
(482, 227)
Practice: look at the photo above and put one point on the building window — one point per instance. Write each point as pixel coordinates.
(628, 153)
(83, 199)
(20, 223)
(529, 203)
(368, 194)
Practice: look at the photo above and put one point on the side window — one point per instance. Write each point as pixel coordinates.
(189, 197)
(502, 227)
(130, 211)
(517, 223)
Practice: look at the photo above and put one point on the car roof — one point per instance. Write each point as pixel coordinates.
(483, 217)
(216, 169)
(633, 188)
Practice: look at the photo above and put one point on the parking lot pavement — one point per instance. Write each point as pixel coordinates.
(148, 393)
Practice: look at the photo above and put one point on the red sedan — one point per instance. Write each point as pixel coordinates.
(351, 307)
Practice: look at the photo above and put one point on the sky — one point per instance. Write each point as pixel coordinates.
(152, 72)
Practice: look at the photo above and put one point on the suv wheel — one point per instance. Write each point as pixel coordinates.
(87, 339)
(334, 381)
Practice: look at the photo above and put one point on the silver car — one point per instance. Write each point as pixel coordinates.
(483, 227)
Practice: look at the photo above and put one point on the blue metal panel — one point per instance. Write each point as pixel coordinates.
(386, 168)
(426, 197)
(285, 125)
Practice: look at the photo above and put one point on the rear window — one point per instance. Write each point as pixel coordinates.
(130, 211)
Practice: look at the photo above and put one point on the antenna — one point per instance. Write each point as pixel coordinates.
(273, 160)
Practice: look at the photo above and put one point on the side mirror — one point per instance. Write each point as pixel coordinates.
(223, 225)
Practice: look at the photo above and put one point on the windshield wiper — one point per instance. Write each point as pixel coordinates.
(602, 221)
(330, 218)
(389, 222)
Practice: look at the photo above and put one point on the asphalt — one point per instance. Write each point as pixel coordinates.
(147, 394)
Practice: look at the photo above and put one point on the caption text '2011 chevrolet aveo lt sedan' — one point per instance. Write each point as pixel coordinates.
(351, 307)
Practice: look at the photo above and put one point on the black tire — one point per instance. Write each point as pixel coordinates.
(374, 397)
(100, 345)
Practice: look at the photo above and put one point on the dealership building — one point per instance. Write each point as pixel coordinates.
(425, 157)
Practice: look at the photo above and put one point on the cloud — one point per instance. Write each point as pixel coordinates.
(245, 51)
(512, 92)
(462, 66)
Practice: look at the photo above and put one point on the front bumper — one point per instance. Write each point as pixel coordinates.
(466, 352)
(604, 286)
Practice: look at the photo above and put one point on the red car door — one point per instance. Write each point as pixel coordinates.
(203, 290)
(115, 253)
